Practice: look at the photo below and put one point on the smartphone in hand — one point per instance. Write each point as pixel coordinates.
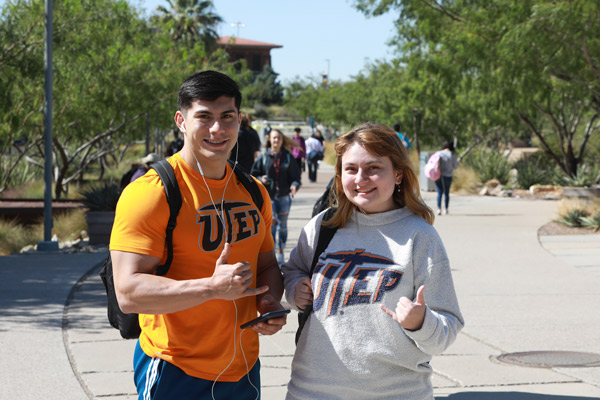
(265, 317)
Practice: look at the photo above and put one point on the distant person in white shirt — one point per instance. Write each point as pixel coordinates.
(314, 153)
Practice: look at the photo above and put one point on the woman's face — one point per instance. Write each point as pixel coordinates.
(369, 181)
(276, 140)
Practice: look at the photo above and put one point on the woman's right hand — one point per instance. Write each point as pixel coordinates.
(303, 294)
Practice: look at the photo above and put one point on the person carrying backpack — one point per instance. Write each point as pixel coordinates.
(380, 291)
(448, 162)
(279, 172)
(223, 270)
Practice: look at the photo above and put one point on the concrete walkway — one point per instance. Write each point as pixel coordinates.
(518, 293)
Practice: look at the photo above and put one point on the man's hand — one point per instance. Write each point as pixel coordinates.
(410, 315)
(232, 281)
(273, 325)
(303, 294)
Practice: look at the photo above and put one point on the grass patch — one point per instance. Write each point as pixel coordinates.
(465, 180)
(13, 236)
(68, 226)
(579, 213)
(329, 154)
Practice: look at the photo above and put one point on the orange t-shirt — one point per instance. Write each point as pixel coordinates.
(199, 340)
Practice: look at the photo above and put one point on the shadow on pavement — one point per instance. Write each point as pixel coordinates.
(509, 396)
(33, 291)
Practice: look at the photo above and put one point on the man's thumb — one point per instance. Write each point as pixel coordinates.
(224, 255)
(420, 298)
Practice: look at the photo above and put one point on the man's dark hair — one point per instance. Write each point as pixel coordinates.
(207, 85)
(296, 129)
(396, 127)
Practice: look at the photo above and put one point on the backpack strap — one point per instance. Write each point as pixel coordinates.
(167, 176)
(250, 185)
(326, 233)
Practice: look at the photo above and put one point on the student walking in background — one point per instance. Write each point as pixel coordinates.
(279, 172)
(247, 147)
(314, 154)
(299, 152)
(382, 297)
(448, 163)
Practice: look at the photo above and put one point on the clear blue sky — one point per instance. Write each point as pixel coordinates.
(310, 31)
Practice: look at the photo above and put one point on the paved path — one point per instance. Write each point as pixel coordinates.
(517, 293)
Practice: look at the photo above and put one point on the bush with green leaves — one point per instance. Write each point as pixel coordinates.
(101, 198)
(489, 164)
(591, 222)
(586, 176)
(13, 237)
(573, 217)
(534, 169)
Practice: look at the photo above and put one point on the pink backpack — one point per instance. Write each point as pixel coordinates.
(432, 168)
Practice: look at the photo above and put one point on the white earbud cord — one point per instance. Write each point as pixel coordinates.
(233, 358)
(219, 214)
(221, 217)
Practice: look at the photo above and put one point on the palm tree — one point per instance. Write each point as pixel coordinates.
(191, 21)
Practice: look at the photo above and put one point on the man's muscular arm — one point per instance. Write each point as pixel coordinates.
(139, 290)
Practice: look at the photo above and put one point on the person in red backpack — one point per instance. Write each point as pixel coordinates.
(448, 163)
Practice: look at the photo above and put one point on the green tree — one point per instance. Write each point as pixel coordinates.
(265, 89)
(21, 75)
(191, 21)
(112, 74)
(534, 60)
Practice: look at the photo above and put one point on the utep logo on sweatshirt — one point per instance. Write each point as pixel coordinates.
(349, 278)
(242, 220)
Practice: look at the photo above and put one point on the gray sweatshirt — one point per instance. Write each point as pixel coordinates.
(448, 162)
(350, 348)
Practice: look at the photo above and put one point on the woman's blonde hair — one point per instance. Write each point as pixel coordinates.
(288, 143)
(381, 141)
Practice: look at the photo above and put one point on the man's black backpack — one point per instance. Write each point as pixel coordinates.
(128, 324)
(325, 235)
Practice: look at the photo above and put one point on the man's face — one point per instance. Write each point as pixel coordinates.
(210, 128)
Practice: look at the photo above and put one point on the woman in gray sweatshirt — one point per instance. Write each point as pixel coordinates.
(382, 292)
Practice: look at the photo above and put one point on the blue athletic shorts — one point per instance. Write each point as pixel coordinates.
(157, 379)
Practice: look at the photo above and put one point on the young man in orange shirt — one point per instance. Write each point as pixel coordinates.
(224, 268)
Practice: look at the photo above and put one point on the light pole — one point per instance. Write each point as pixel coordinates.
(48, 244)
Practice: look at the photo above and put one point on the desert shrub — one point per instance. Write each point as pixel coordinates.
(13, 237)
(489, 164)
(68, 226)
(573, 218)
(101, 198)
(586, 176)
(534, 169)
(575, 212)
(591, 222)
(465, 180)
